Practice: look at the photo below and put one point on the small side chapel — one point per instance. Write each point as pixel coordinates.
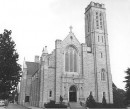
(73, 70)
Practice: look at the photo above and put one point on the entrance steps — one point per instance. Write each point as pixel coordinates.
(75, 105)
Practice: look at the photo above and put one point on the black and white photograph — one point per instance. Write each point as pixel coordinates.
(64, 54)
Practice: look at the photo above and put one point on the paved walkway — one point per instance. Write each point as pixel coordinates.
(15, 106)
(31, 107)
(75, 105)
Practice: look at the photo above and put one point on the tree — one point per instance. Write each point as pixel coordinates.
(118, 96)
(127, 86)
(90, 101)
(61, 99)
(104, 101)
(9, 68)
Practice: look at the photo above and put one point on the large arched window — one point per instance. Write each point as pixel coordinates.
(71, 59)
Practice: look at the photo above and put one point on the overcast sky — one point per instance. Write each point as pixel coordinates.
(38, 23)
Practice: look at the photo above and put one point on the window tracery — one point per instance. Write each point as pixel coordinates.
(71, 59)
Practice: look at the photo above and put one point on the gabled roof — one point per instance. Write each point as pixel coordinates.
(32, 67)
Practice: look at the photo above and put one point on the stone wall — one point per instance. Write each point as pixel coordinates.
(35, 90)
(51, 77)
(88, 72)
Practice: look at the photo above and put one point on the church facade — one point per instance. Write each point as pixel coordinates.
(73, 70)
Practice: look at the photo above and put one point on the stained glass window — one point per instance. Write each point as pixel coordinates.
(71, 59)
(67, 62)
(75, 61)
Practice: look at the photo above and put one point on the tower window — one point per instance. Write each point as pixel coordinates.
(101, 21)
(98, 39)
(102, 38)
(88, 19)
(50, 93)
(101, 55)
(103, 76)
(71, 59)
(97, 20)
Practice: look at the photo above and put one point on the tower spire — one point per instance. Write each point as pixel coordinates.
(24, 63)
(45, 51)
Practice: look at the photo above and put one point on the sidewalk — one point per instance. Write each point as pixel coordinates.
(32, 107)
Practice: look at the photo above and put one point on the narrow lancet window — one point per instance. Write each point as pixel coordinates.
(103, 76)
(75, 61)
(98, 39)
(101, 21)
(67, 62)
(97, 22)
(102, 38)
(71, 61)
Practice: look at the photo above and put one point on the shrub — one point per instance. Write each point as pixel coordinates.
(101, 105)
(104, 103)
(90, 101)
(61, 99)
(52, 104)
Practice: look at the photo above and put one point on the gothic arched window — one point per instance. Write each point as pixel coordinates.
(103, 75)
(71, 59)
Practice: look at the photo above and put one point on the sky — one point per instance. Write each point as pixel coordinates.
(38, 23)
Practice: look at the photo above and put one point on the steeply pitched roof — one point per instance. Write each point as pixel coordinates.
(32, 67)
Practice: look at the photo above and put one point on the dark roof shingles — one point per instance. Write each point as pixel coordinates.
(32, 67)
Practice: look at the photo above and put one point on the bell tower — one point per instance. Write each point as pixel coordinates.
(95, 24)
(96, 37)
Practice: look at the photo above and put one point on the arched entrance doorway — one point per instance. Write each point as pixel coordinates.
(72, 94)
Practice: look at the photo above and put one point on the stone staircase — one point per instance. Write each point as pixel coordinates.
(75, 105)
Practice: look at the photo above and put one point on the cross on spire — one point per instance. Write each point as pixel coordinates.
(71, 29)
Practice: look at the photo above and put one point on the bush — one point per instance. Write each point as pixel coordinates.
(90, 101)
(52, 104)
(101, 105)
(104, 103)
(61, 99)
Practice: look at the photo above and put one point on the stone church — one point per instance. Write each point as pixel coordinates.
(73, 70)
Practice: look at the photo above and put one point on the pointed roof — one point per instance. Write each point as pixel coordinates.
(32, 67)
(71, 38)
(45, 51)
(24, 63)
